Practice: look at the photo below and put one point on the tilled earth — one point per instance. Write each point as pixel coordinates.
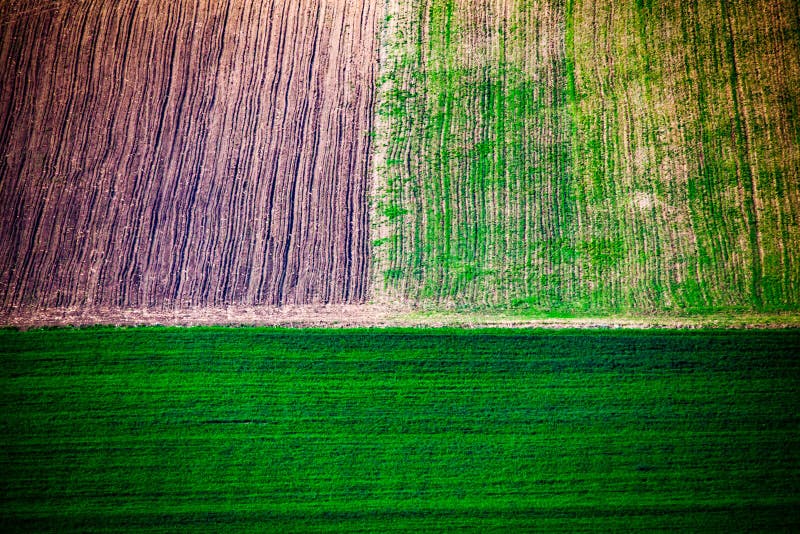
(176, 154)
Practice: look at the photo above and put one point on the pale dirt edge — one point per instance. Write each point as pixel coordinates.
(368, 316)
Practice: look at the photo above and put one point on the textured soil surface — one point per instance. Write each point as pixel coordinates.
(201, 161)
(181, 154)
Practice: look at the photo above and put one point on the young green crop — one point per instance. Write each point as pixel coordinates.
(426, 430)
(592, 157)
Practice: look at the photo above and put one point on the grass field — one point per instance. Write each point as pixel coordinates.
(166, 429)
(589, 155)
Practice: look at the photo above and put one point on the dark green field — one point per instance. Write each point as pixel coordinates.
(165, 429)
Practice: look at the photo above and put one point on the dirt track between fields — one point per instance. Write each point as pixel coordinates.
(366, 316)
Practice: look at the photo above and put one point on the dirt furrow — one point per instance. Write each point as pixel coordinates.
(171, 154)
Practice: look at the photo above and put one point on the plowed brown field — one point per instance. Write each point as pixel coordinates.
(184, 153)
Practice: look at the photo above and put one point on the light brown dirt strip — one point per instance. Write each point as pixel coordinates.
(185, 153)
(368, 316)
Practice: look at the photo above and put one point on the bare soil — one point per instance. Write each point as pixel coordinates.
(184, 154)
(367, 316)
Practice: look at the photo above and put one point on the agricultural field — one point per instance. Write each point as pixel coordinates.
(557, 157)
(589, 156)
(629, 168)
(165, 429)
(162, 153)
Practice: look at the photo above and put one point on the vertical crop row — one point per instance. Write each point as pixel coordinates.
(474, 204)
(685, 146)
(590, 156)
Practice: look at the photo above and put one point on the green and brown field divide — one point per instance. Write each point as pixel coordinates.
(613, 186)
(582, 158)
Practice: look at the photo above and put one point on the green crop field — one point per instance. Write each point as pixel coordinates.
(589, 156)
(208, 429)
(393, 164)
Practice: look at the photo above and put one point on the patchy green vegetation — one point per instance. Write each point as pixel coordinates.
(590, 157)
(166, 429)
(476, 143)
(686, 152)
